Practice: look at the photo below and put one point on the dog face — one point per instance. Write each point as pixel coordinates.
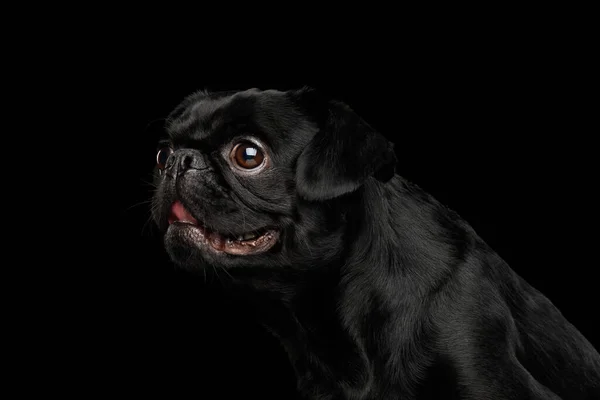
(262, 178)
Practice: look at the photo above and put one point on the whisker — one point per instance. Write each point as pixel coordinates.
(153, 208)
(305, 241)
(217, 274)
(141, 203)
(243, 219)
(147, 224)
(151, 185)
(231, 233)
(189, 257)
(227, 272)
(160, 119)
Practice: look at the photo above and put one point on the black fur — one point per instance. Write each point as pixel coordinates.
(375, 290)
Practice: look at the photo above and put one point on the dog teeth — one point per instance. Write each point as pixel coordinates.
(247, 236)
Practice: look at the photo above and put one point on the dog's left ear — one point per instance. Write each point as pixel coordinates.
(343, 154)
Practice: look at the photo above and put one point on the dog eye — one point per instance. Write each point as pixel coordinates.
(162, 156)
(247, 155)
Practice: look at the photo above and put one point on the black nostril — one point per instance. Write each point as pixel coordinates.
(185, 162)
(169, 162)
(189, 159)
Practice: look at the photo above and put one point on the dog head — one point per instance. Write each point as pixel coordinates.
(262, 178)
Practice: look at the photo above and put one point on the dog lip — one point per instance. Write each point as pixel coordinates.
(181, 219)
(198, 236)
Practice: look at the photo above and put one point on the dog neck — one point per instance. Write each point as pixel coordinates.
(339, 323)
(307, 322)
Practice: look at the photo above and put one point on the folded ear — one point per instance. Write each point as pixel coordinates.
(343, 154)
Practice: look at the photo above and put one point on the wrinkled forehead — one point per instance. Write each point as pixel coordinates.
(215, 118)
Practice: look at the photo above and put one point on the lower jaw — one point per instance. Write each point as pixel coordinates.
(216, 243)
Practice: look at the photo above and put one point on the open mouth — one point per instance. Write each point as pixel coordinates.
(249, 243)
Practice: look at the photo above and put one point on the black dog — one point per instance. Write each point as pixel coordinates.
(375, 289)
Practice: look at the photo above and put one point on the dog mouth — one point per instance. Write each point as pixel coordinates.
(254, 242)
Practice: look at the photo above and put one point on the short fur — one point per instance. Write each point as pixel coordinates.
(375, 289)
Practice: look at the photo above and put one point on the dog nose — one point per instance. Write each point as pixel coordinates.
(190, 159)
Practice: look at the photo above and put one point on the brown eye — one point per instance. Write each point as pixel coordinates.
(162, 156)
(247, 155)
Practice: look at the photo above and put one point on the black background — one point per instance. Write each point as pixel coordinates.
(494, 125)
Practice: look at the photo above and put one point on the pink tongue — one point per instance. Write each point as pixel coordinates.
(179, 213)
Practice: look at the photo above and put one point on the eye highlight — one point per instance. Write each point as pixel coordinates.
(162, 156)
(247, 156)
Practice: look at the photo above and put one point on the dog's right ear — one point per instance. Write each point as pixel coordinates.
(343, 154)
